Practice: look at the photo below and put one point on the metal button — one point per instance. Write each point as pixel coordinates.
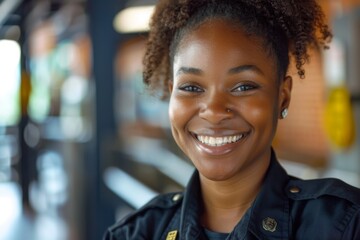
(294, 189)
(269, 224)
(176, 197)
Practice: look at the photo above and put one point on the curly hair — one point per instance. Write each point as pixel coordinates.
(287, 28)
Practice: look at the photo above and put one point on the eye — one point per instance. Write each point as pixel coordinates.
(244, 87)
(191, 88)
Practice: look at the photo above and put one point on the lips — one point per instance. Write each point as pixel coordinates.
(219, 144)
(219, 141)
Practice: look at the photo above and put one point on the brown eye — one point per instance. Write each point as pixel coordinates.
(191, 88)
(244, 87)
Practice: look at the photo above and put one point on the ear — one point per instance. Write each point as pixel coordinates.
(170, 86)
(285, 94)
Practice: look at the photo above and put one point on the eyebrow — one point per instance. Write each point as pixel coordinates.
(189, 70)
(244, 68)
(235, 70)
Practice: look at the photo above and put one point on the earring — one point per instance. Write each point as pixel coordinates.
(228, 110)
(284, 113)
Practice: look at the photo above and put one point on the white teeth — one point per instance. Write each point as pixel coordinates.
(219, 141)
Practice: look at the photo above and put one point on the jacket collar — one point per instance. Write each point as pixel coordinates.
(270, 211)
(269, 218)
(190, 227)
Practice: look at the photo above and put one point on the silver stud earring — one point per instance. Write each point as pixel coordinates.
(284, 113)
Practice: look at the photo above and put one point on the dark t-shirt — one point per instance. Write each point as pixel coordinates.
(215, 235)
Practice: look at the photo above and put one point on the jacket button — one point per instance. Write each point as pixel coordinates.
(269, 224)
(176, 197)
(294, 189)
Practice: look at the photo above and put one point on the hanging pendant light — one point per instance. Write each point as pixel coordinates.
(135, 17)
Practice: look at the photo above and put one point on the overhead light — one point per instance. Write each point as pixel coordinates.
(133, 19)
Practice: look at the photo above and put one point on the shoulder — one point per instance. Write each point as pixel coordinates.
(327, 208)
(147, 220)
(161, 203)
(298, 189)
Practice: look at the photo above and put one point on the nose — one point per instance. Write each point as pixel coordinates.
(216, 108)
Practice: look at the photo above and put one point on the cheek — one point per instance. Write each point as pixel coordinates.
(261, 112)
(178, 113)
(173, 106)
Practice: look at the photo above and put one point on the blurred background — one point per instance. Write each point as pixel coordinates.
(82, 143)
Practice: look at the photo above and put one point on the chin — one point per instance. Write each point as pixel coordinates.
(216, 174)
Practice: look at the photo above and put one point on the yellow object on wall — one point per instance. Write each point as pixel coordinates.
(339, 118)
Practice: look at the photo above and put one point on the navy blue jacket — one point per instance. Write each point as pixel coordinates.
(285, 208)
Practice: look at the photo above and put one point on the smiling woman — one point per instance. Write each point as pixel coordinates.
(200, 98)
(224, 66)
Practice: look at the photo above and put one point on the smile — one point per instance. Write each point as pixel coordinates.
(219, 141)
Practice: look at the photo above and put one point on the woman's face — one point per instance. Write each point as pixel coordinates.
(225, 100)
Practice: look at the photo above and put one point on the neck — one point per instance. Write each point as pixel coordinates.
(226, 202)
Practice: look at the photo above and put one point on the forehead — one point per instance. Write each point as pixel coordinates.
(223, 44)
